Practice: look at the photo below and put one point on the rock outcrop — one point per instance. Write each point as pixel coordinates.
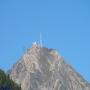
(41, 68)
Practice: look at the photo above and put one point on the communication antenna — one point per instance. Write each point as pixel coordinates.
(40, 39)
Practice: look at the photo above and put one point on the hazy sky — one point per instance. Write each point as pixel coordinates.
(65, 25)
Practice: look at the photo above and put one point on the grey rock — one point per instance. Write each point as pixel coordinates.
(41, 68)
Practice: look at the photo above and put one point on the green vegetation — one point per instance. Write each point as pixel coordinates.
(6, 83)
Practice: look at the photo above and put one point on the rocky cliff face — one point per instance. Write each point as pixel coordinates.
(41, 68)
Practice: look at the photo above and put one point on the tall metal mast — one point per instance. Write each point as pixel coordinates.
(40, 39)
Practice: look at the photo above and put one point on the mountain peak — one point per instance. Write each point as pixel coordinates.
(42, 68)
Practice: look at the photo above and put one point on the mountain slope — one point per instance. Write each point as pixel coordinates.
(41, 68)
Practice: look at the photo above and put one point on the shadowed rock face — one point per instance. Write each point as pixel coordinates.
(41, 68)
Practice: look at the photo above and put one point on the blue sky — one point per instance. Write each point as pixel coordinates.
(65, 25)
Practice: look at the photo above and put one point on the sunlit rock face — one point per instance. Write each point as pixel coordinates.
(41, 68)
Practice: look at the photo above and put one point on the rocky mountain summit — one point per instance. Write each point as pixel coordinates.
(41, 68)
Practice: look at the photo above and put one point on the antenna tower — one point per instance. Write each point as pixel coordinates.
(40, 39)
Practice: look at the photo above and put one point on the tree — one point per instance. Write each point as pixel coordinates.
(6, 83)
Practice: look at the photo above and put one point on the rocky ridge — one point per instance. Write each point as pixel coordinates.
(41, 68)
